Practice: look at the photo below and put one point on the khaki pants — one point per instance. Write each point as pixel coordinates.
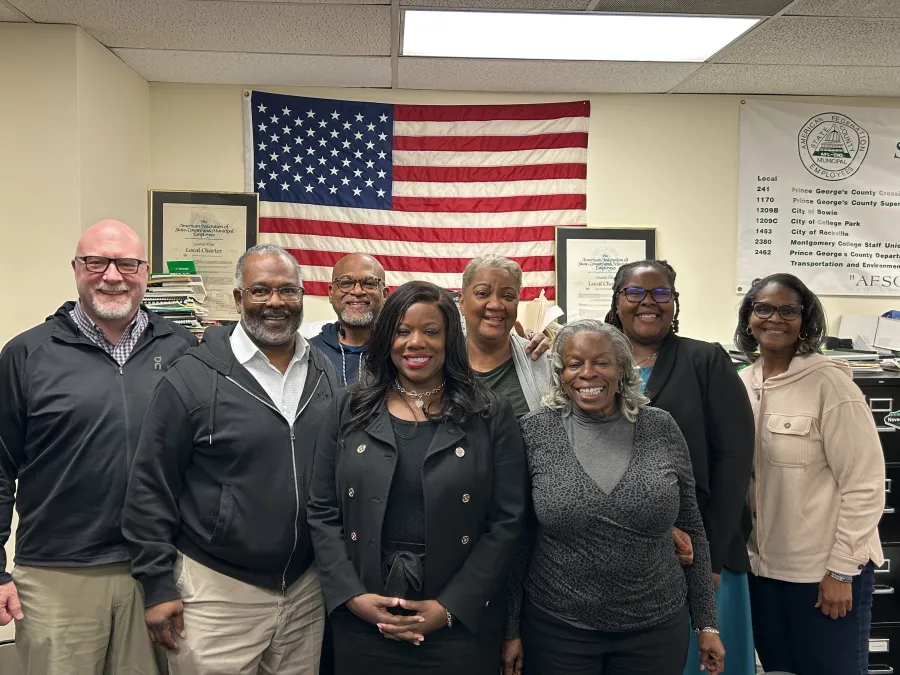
(233, 628)
(86, 620)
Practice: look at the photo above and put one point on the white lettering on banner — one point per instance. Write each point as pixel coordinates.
(819, 196)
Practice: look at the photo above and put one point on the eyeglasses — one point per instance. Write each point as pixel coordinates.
(662, 294)
(261, 294)
(368, 284)
(99, 264)
(764, 310)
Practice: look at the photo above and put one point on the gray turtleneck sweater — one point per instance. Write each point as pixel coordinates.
(602, 445)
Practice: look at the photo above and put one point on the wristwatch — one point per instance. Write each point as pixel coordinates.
(843, 578)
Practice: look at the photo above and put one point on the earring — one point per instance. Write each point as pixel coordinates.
(749, 332)
(803, 336)
(621, 387)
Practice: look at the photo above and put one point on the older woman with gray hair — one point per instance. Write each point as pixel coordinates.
(502, 360)
(598, 590)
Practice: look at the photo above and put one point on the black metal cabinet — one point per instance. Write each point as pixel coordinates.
(882, 392)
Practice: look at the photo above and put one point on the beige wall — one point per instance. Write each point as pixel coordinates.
(669, 162)
(39, 187)
(113, 137)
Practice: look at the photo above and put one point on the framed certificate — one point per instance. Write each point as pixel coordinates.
(211, 228)
(587, 259)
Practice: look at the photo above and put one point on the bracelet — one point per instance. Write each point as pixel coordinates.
(449, 618)
(843, 578)
(714, 631)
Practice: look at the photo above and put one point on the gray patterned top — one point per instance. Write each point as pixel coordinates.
(607, 560)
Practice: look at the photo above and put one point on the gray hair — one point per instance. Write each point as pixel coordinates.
(491, 261)
(264, 249)
(630, 397)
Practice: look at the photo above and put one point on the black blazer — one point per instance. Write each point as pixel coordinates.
(697, 384)
(475, 491)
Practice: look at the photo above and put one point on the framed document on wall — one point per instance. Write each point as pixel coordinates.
(587, 259)
(211, 228)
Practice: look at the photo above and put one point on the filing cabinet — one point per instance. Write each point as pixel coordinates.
(882, 392)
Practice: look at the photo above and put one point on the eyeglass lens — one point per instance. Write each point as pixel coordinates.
(97, 264)
(660, 294)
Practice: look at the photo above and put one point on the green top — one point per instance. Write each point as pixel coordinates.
(504, 381)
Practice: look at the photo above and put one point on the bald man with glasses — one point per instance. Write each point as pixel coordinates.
(74, 391)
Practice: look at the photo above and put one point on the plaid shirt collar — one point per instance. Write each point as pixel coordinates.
(123, 348)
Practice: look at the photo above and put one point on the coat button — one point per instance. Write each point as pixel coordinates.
(787, 425)
(465, 499)
(351, 492)
(487, 604)
(353, 536)
(460, 452)
(465, 540)
(361, 449)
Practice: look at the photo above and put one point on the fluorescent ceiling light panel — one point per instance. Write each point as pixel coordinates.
(568, 37)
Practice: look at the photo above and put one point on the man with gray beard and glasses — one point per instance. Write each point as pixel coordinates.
(74, 391)
(216, 504)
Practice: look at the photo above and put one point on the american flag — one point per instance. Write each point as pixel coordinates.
(423, 188)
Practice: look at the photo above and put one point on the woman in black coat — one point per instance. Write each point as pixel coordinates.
(697, 384)
(417, 500)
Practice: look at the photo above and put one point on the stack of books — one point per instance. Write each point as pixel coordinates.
(179, 298)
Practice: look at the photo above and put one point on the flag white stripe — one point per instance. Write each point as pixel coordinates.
(445, 279)
(512, 158)
(415, 249)
(493, 127)
(341, 214)
(492, 189)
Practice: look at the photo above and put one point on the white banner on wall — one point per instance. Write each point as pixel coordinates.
(819, 196)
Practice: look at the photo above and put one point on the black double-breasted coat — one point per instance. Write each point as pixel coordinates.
(475, 493)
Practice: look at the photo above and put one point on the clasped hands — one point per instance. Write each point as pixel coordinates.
(430, 615)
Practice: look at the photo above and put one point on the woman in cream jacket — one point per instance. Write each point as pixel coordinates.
(817, 490)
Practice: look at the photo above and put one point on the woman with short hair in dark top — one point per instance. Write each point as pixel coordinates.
(599, 590)
(696, 383)
(489, 302)
(417, 501)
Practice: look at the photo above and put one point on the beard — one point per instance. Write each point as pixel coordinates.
(357, 320)
(256, 328)
(113, 308)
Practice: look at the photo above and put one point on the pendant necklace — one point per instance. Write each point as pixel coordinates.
(418, 398)
(650, 358)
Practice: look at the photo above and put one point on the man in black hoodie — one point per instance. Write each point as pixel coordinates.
(74, 391)
(216, 505)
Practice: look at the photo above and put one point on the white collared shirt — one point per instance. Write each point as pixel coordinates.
(284, 390)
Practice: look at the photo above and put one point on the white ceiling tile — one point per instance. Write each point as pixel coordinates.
(811, 41)
(798, 80)
(872, 8)
(557, 5)
(540, 76)
(8, 13)
(294, 70)
(718, 7)
(224, 26)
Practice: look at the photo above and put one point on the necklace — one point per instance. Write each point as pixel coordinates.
(416, 396)
(650, 358)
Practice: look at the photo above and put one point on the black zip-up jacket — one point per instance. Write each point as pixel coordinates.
(70, 418)
(221, 475)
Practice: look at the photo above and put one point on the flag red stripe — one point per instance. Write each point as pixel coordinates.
(489, 204)
(484, 113)
(534, 263)
(487, 174)
(320, 288)
(491, 143)
(430, 235)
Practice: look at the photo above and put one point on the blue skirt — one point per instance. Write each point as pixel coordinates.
(735, 627)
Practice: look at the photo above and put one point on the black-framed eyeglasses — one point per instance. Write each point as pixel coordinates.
(660, 294)
(368, 284)
(261, 294)
(765, 310)
(99, 264)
